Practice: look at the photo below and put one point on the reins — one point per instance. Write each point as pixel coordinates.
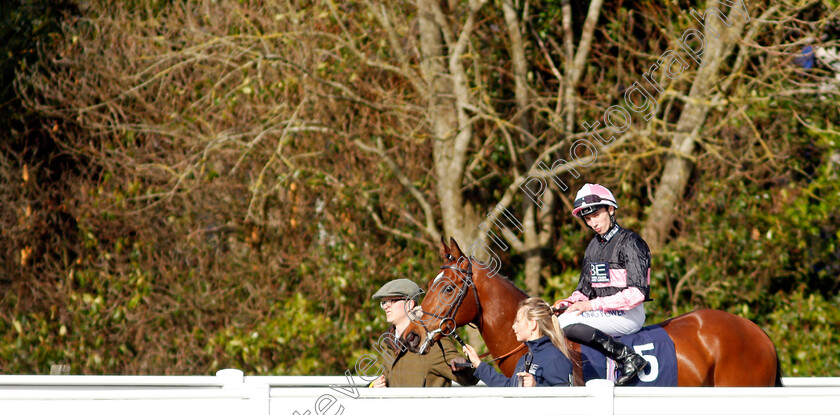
(518, 348)
(483, 355)
(555, 311)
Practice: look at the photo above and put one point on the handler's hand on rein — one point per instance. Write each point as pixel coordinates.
(527, 379)
(470, 351)
(380, 382)
(458, 360)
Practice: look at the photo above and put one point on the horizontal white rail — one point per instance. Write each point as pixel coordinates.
(597, 398)
(230, 392)
(327, 381)
(273, 381)
(811, 382)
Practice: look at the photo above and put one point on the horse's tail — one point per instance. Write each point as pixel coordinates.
(778, 370)
(778, 381)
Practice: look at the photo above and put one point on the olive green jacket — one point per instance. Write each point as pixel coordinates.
(405, 369)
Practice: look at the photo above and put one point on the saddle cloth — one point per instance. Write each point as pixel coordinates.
(653, 343)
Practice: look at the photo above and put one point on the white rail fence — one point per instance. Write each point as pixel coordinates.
(229, 392)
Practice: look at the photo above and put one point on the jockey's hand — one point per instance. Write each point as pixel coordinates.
(470, 351)
(580, 307)
(561, 304)
(527, 379)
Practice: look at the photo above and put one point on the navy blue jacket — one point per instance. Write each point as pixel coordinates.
(548, 365)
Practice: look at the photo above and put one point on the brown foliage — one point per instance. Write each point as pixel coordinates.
(206, 172)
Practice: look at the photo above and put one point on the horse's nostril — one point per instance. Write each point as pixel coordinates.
(413, 339)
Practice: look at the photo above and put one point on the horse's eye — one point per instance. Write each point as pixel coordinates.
(450, 257)
(448, 289)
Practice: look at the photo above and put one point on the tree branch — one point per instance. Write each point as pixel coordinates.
(430, 227)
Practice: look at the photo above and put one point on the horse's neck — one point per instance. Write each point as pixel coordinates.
(499, 300)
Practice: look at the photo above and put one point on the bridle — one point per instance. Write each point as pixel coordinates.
(466, 277)
(449, 315)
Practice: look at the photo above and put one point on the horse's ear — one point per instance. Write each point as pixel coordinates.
(456, 250)
(444, 250)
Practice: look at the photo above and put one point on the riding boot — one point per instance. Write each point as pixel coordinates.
(629, 363)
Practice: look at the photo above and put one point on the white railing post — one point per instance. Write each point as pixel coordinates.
(231, 377)
(604, 393)
(257, 392)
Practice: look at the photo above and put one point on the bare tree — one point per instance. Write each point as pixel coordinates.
(720, 41)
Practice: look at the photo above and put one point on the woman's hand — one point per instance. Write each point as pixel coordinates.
(527, 379)
(380, 382)
(470, 351)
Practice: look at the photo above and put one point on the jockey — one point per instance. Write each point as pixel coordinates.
(613, 286)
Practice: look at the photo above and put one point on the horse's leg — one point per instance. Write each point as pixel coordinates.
(715, 348)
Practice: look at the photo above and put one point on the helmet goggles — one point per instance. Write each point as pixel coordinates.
(588, 199)
(590, 203)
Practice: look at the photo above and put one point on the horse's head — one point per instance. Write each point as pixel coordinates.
(450, 302)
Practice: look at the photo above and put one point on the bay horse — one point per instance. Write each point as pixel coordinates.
(713, 348)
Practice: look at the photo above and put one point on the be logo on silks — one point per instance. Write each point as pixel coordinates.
(599, 272)
(653, 343)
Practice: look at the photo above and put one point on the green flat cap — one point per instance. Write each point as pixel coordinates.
(398, 288)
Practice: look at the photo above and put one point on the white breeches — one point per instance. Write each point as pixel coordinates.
(614, 322)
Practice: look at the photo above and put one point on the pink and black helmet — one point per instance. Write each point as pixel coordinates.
(590, 197)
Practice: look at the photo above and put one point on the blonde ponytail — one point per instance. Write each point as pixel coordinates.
(538, 310)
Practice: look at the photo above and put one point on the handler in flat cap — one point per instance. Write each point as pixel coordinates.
(402, 368)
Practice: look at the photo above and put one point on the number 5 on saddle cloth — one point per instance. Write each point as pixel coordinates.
(653, 343)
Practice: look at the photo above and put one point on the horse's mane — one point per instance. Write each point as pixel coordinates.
(506, 279)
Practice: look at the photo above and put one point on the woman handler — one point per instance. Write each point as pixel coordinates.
(547, 361)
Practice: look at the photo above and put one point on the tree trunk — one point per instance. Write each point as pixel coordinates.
(678, 166)
(448, 97)
(531, 247)
(450, 126)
